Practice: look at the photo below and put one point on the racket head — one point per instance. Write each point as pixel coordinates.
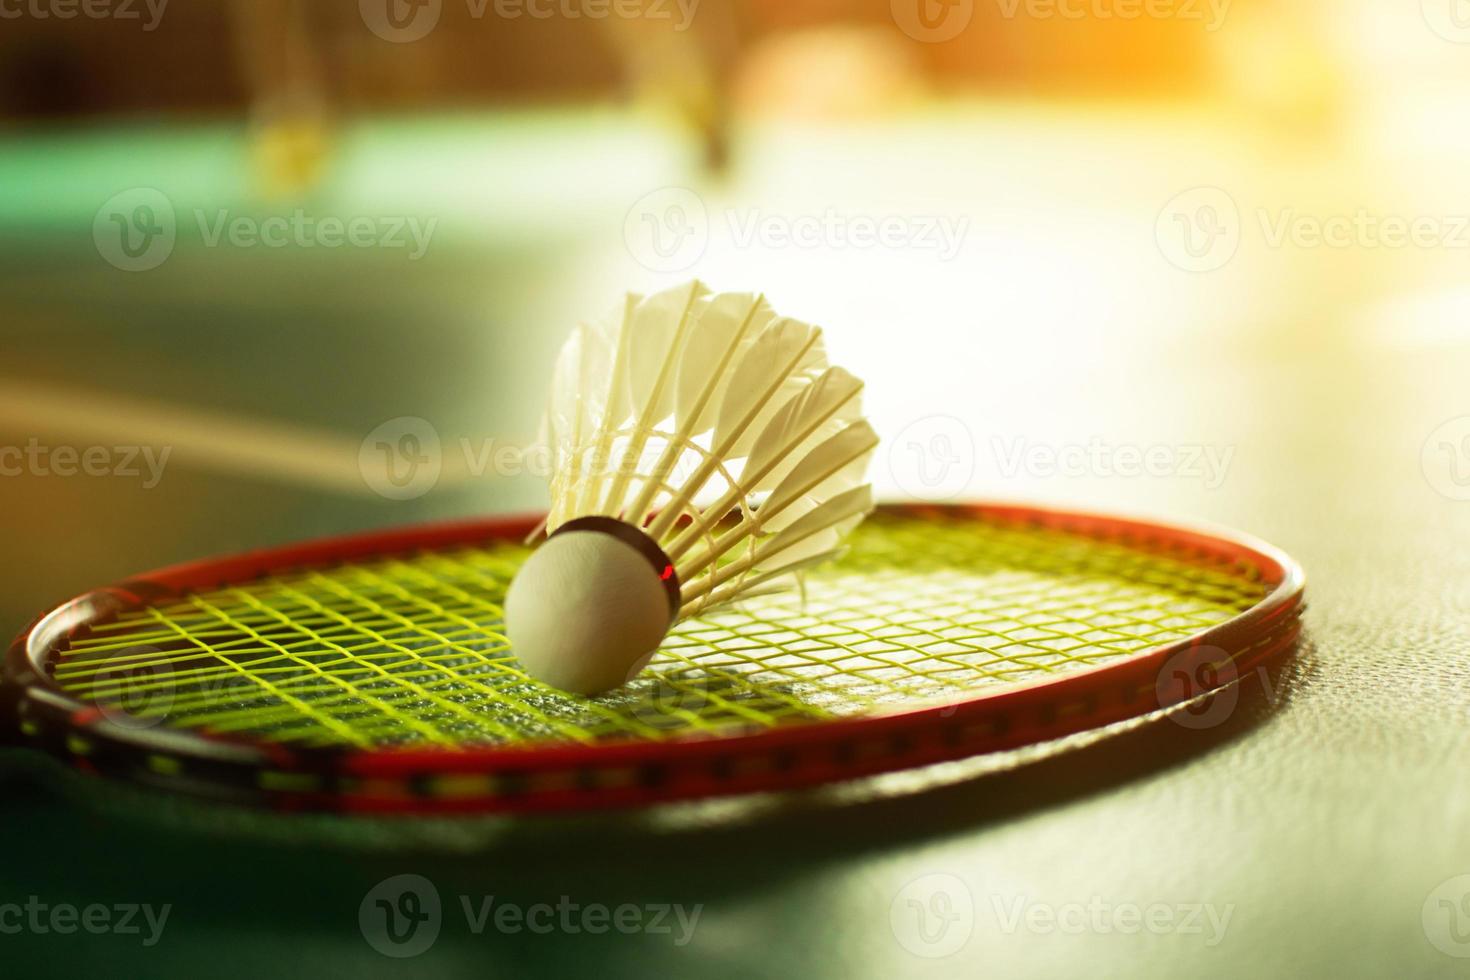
(1251, 595)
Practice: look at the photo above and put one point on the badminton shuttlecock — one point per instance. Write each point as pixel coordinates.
(701, 450)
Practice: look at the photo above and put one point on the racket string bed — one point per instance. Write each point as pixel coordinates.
(410, 650)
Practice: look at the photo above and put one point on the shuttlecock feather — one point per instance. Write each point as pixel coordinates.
(701, 449)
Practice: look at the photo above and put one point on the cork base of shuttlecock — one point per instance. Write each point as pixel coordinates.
(590, 606)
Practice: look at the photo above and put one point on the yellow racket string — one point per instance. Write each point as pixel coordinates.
(411, 650)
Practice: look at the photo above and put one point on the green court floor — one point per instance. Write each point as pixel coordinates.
(1321, 818)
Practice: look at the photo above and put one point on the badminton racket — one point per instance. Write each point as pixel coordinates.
(370, 674)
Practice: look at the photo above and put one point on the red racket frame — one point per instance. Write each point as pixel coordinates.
(628, 772)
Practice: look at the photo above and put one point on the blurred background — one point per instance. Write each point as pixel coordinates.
(273, 270)
(1061, 224)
